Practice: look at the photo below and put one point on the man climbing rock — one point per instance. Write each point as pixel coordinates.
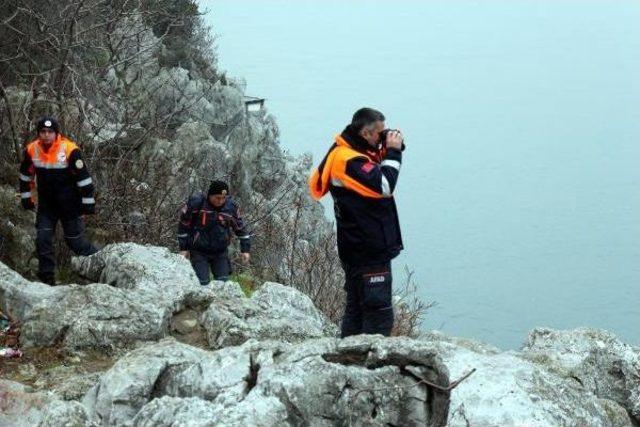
(53, 165)
(207, 223)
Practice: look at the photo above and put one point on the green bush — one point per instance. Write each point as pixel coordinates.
(247, 282)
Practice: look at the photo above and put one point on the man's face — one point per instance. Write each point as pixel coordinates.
(217, 200)
(47, 135)
(372, 133)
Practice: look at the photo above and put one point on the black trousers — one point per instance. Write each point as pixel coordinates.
(218, 263)
(73, 228)
(369, 308)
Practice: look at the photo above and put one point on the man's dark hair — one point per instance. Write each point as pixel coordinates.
(364, 117)
(218, 187)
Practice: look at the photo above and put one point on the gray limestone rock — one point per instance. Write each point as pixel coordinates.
(184, 163)
(95, 315)
(294, 374)
(596, 359)
(508, 390)
(226, 290)
(274, 311)
(18, 296)
(141, 289)
(67, 414)
(67, 382)
(22, 407)
(287, 302)
(17, 232)
(366, 380)
(193, 411)
(151, 274)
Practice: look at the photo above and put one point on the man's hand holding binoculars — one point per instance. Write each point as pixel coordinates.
(395, 139)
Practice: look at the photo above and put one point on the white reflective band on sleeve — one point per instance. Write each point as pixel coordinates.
(84, 182)
(243, 237)
(386, 189)
(25, 178)
(183, 235)
(391, 163)
(88, 200)
(26, 195)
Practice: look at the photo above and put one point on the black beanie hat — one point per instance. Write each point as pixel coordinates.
(218, 187)
(47, 122)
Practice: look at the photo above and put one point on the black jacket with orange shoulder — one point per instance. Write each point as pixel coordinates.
(58, 172)
(361, 181)
(208, 229)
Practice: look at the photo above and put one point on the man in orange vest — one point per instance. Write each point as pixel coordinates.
(361, 171)
(65, 192)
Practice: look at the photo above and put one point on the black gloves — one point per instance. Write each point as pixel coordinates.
(88, 209)
(28, 204)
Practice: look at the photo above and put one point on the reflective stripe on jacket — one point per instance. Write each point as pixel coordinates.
(63, 183)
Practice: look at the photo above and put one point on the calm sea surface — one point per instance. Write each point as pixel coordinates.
(519, 195)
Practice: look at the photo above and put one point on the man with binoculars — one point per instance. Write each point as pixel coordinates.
(361, 171)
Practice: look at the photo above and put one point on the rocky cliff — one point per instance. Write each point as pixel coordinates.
(137, 86)
(137, 342)
(140, 343)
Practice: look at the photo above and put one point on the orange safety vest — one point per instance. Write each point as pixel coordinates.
(332, 171)
(56, 157)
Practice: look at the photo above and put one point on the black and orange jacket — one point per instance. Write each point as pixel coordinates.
(361, 181)
(64, 186)
(208, 229)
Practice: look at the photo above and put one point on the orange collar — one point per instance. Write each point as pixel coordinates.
(371, 154)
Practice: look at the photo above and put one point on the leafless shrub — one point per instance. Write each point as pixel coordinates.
(91, 63)
(410, 309)
(304, 255)
(123, 77)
